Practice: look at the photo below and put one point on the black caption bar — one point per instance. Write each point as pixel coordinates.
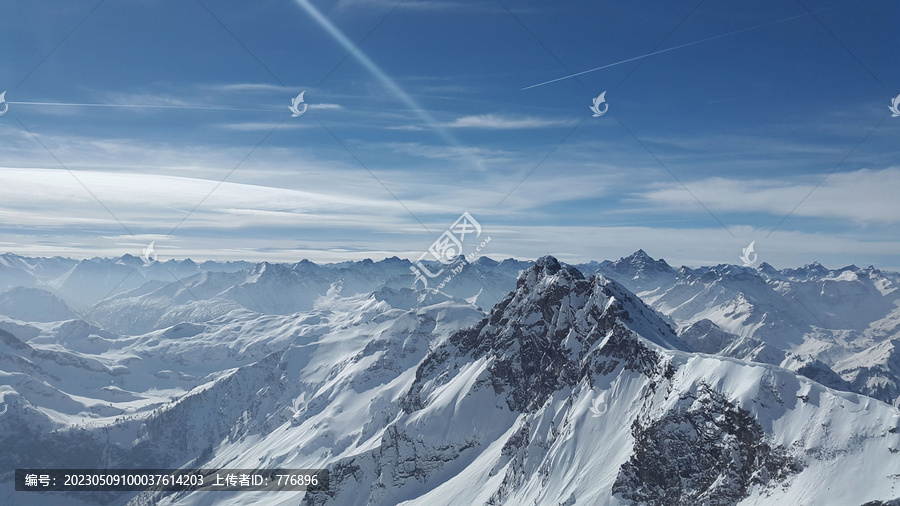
(176, 480)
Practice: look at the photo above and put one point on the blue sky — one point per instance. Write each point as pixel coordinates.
(763, 122)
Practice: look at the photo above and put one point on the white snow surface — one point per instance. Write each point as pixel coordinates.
(274, 366)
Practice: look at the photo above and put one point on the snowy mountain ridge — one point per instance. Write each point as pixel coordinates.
(572, 389)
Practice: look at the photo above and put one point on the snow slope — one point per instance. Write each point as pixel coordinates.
(846, 320)
(570, 390)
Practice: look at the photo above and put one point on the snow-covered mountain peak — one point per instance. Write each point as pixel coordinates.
(548, 271)
(573, 389)
(265, 270)
(633, 312)
(767, 272)
(639, 269)
(641, 262)
(542, 335)
(551, 297)
(808, 272)
(486, 262)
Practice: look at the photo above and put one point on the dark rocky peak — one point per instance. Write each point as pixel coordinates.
(307, 269)
(686, 272)
(634, 313)
(641, 261)
(809, 272)
(542, 336)
(229, 266)
(639, 256)
(517, 264)
(705, 450)
(306, 265)
(768, 272)
(186, 263)
(548, 271)
(548, 265)
(851, 268)
(639, 272)
(267, 272)
(553, 299)
(391, 263)
(486, 262)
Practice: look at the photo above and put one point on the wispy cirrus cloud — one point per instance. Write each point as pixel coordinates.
(148, 98)
(863, 196)
(418, 5)
(252, 126)
(245, 87)
(501, 122)
(457, 153)
(326, 107)
(410, 128)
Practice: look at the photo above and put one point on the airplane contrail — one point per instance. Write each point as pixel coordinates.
(360, 56)
(140, 106)
(671, 49)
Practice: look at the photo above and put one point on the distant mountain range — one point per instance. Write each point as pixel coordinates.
(614, 382)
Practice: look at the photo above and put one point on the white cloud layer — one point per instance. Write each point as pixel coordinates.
(863, 196)
(500, 122)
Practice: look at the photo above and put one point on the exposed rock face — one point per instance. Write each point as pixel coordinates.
(570, 391)
(543, 336)
(555, 331)
(704, 451)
